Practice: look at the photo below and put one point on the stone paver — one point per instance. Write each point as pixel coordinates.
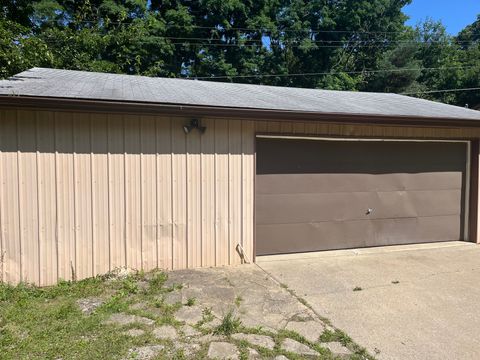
(223, 351)
(310, 330)
(253, 354)
(264, 303)
(144, 352)
(189, 314)
(189, 331)
(188, 349)
(297, 348)
(173, 297)
(336, 348)
(212, 324)
(280, 357)
(126, 319)
(165, 332)
(89, 305)
(210, 337)
(139, 306)
(134, 332)
(258, 340)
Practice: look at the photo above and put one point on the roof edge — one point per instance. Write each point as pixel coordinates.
(147, 108)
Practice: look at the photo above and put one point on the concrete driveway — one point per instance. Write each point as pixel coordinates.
(415, 302)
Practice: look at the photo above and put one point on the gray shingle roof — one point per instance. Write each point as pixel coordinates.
(113, 87)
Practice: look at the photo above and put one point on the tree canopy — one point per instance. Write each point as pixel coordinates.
(331, 44)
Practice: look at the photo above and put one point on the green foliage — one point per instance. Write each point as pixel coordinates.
(191, 301)
(158, 280)
(242, 40)
(229, 325)
(19, 50)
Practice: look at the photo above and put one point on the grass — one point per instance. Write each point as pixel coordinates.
(191, 301)
(230, 324)
(46, 323)
(238, 301)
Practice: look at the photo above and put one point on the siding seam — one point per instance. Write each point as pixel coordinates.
(92, 197)
(39, 257)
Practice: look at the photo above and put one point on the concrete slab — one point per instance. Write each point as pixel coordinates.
(415, 302)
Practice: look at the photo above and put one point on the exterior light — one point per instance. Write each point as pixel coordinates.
(194, 124)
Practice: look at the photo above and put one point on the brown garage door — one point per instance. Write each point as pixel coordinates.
(335, 194)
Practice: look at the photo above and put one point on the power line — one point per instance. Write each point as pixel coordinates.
(228, 28)
(439, 91)
(261, 44)
(329, 73)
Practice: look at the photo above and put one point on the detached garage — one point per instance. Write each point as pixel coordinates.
(99, 171)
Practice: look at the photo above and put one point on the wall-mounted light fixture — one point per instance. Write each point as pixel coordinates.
(194, 124)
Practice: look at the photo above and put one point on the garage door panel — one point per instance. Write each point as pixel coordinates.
(290, 238)
(414, 230)
(319, 183)
(297, 208)
(305, 237)
(315, 195)
(298, 156)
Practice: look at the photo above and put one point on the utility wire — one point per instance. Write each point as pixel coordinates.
(347, 44)
(228, 28)
(225, 28)
(330, 73)
(439, 91)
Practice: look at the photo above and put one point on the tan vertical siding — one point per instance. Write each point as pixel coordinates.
(164, 198)
(248, 191)
(9, 199)
(221, 193)
(81, 194)
(194, 206)
(179, 195)
(234, 189)
(65, 186)
(100, 191)
(47, 209)
(149, 192)
(133, 190)
(208, 189)
(28, 196)
(116, 190)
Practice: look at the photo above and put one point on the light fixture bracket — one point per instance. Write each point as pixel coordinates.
(194, 124)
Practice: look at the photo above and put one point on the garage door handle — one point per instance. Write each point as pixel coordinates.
(369, 211)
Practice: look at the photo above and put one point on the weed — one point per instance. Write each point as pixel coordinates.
(228, 281)
(2, 262)
(174, 287)
(207, 317)
(238, 300)
(115, 304)
(357, 288)
(230, 325)
(328, 336)
(191, 301)
(158, 280)
(129, 286)
(395, 282)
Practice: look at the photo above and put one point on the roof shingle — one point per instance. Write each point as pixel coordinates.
(70, 84)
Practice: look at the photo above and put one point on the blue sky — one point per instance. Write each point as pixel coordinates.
(454, 14)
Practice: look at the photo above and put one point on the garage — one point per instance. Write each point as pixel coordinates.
(105, 171)
(319, 194)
